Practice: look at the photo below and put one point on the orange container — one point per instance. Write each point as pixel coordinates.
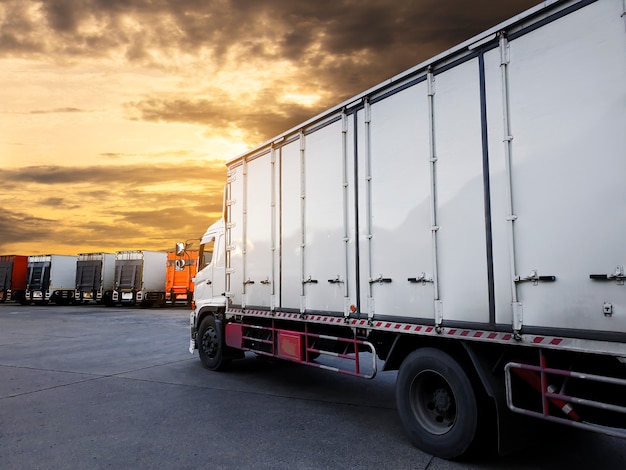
(179, 275)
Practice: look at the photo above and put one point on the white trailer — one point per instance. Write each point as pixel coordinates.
(95, 275)
(463, 221)
(139, 277)
(50, 278)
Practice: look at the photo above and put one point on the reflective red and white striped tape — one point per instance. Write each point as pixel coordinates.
(410, 328)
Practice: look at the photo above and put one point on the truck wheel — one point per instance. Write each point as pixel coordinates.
(436, 403)
(210, 345)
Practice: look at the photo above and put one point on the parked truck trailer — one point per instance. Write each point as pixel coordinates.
(181, 268)
(13, 271)
(51, 278)
(461, 222)
(139, 278)
(95, 273)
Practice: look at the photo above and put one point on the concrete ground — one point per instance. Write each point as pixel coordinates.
(85, 387)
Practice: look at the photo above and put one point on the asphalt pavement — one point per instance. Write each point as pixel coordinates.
(88, 387)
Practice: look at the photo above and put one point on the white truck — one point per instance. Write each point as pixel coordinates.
(462, 222)
(50, 278)
(139, 278)
(95, 273)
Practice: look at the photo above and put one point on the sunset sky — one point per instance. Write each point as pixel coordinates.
(116, 116)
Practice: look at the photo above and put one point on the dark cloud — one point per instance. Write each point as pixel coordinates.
(405, 29)
(59, 203)
(123, 230)
(169, 217)
(16, 226)
(58, 110)
(127, 175)
(333, 49)
(340, 47)
(261, 117)
(136, 215)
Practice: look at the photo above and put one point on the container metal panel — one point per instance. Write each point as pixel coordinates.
(567, 95)
(237, 204)
(462, 258)
(154, 268)
(401, 245)
(290, 226)
(108, 270)
(258, 256)
(62, 272)
(497, 184)
(325, 249)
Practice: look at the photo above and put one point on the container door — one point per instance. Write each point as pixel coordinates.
(39, 275)
(566, 84)
(88, 275)
(128, 274)
(291, 287)
(6, 267)
(395, 238)
(326, 208)
(257, 281)
(235, 213)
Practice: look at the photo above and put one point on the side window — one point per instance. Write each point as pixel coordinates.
(206, 254)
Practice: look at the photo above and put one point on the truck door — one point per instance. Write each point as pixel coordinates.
(209, 284)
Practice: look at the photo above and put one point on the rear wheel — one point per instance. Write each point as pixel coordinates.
(437, 403)
(210, 345)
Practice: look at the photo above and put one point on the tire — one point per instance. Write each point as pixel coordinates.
(437, 403)
(210, 345)
(107, 299)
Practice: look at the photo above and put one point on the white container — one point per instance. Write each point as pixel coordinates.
(140, 277)
(51, 278)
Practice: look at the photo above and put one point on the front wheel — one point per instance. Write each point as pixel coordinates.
(210, 345)
(437, 403)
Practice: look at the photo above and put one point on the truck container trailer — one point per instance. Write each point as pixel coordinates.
(51, 278)
(181, 268)
(139, 278)
(95, 274)
(13, 271)
(463, 222)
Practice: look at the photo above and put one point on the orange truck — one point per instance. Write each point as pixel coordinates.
(13, 269)
(180, 271)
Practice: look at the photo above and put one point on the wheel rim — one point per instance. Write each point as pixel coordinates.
(433, 402)
(209, 342)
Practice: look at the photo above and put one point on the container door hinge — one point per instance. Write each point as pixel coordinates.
(438, 315)
(518, 319)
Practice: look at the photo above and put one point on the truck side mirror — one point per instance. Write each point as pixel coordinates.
(180, 248)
